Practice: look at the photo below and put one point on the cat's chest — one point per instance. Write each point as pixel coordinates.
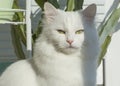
(62, 72)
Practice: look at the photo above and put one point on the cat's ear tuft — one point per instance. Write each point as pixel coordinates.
(49, 10)
(90, 11)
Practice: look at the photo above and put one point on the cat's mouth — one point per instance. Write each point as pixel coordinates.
(72, 47)
(69, 49)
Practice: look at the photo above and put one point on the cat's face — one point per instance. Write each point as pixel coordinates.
(64, 30)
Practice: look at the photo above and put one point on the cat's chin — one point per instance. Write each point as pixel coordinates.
(69, 50)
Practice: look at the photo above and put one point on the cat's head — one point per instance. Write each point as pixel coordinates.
(65, 30)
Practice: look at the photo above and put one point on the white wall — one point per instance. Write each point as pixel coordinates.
(113, 62)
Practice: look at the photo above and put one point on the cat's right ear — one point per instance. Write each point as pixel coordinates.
(50, 11)
(90, 11)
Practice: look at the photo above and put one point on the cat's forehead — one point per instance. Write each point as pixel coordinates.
(71, 20)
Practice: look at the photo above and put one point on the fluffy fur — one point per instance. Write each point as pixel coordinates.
(64, 55)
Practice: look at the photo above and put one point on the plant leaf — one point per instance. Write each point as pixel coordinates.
(106, 30)
(112, 8)
(18, 34)
(17, 43)
(78, 4)
(41, 3)
(104, 48)
(109, 26)
(70, 5)
(19, 17)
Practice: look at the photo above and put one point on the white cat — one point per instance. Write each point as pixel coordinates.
(65, 54)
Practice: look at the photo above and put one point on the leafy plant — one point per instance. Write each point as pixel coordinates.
(18, 33)
(105, 29)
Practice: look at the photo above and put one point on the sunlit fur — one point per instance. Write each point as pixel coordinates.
(57, 62)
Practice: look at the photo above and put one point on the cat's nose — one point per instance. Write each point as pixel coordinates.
(69, 41)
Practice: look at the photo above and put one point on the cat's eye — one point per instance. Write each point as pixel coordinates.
(79, 31)
(61, 31)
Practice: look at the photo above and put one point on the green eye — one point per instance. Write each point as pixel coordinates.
(79, 31)
(61, 31)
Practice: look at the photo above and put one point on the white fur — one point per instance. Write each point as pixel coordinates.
(54, 63)
(20, 73)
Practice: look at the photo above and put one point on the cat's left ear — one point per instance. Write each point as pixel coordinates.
(90, 11)
(50, 11)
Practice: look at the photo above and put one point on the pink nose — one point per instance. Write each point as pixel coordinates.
(69, 41)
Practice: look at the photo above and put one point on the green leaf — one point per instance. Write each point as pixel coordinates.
(70, 5)
(109, 26)
(111, 9)
(41, 3)
(18, 34)
(106, 30)
(78, 4)
(104, 48)
(19, 17)
(74, 5)
(17, 43)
